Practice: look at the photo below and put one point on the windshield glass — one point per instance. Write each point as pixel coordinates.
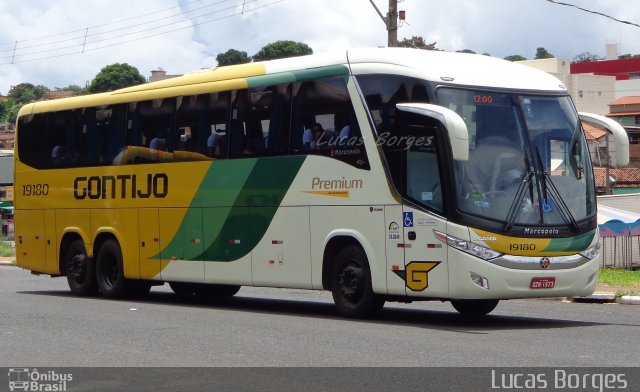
(528, 160)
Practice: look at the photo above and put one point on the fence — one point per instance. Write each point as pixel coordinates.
(620, 244)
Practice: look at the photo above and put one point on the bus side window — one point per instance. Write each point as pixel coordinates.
(63, 138)
(260, 121)
(216, 123)
(324, 121)
(383, 92)
(151, 121)
(31, 132)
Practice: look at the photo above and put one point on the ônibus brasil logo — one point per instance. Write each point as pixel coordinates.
(24, 379)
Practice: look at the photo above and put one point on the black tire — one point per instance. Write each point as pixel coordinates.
(351, 284)
(217, 290)
(80, 270)
(474, 307)
(110, 271)
(183, 289)
(139, 288)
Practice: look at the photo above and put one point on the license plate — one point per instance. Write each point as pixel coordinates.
(543, 283)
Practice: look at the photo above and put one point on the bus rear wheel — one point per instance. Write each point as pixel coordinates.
(80, 270)
(351, 284)
(110, 271)
(474, 307)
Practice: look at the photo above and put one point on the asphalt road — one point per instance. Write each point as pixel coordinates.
(41, 324)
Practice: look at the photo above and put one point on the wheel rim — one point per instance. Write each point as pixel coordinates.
(77, 268)
(110, 270)
(351, 282)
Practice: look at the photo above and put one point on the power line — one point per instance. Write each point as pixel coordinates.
(84, 43)
(86, 34)
(86, 46)
(102, 25)
(594, 12)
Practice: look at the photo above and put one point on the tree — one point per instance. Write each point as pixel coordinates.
(232, 56)
(9, 111)
(417, 42)
(26, 92)
(466, 51)
(282, 49)
(586, 57)
(541, 53)
(515, 57)
(115, 76)
(77, 90)
(629, 56)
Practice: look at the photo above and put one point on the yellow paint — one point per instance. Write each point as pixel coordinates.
(344, 194)
(517, 246)
(418, 274)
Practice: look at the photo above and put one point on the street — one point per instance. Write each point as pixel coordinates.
(43, 325)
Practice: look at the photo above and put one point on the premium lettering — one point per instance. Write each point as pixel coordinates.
(318, 183)
(121, 186)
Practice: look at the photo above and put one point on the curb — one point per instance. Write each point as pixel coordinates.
(607, 298)
(630, 300)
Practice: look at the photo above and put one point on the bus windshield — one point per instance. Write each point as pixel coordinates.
(528, 160)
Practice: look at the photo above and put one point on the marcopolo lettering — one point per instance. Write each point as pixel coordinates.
(121, 186)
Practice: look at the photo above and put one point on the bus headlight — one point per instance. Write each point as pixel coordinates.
(592, 252)
(468, 247)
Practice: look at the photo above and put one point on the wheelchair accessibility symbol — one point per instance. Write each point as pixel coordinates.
(408, 219)
(547, 206)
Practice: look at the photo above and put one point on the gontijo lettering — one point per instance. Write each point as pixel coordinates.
(121, 186)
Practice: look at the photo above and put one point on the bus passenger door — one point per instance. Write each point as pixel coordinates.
(149, 234)
(425, 256)
(426, 272)
(395, 250)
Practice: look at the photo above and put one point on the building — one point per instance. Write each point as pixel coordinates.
(590, 93)
(160, 74)
(6, 194)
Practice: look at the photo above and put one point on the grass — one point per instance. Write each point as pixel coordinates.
(626, 282)
(6, 250)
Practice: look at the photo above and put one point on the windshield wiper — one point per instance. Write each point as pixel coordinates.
(517, 200)
(546, 181)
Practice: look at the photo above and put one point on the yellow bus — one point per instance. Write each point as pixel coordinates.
(378, 174)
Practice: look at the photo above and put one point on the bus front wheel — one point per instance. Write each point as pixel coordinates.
(474, 307)
(80, 270)
(110, 271)
(351, 284)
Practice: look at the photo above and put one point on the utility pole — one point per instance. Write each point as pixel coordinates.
(390, 21)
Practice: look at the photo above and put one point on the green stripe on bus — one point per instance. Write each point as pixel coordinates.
(298, 76)
(232, 228)
(571, 244)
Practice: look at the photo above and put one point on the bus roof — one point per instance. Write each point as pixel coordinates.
(438, 66)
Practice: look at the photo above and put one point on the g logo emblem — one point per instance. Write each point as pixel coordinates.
(418, 274)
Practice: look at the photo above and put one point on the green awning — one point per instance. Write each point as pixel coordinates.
(6, 204)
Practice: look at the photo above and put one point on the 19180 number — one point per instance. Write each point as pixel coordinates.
(35, 190)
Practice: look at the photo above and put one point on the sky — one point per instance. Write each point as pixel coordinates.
(57, 43)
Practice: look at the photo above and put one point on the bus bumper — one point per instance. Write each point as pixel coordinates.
(472, 278)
